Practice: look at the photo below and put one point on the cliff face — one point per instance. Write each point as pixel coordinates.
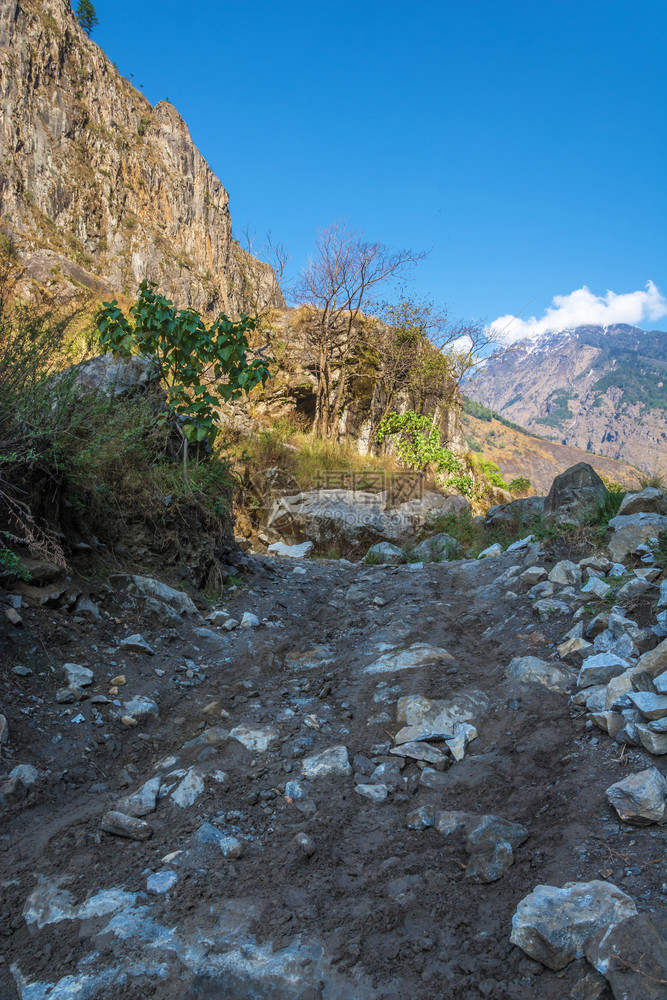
(98, 186)
(600, 389)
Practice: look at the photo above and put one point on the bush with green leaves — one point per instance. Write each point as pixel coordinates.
(200, 366)
(519, 485)
(419, 445)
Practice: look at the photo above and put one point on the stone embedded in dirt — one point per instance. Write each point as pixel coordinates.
(419, 654)
(136, 644)
(19, 781)
(421, 818)
(299, 551)
(66, 696)
(533, 575)
(492, 550)
(640, 798)
(87, 608)
(217, 617)
(573, 650)
(600, 669)
(589, 987)
(376, 793)
(334, 761)
(419, 751)
(249, 620)
(384, 552)
(305, 844)
(542, 589)
(598, 564)
(609, 722)
(254, 737)
(633, 588)
(520, 544)
(553, 926)
(118, 681)
(188, 789)
(129, 720)
(140, 707)
(652, 706)
(533, 670)
(652, 575)
(440, 715)
(230, 624)
(632, 956)
(464, 734)
(491, 866)
(146, 586)
(78, 676)
(654, 742)
(597, 625)
(565, 574)
(420, 733)
(631, 530)
(160, 882)
(649, 501)
(484, 832)
(597, 587)
(550, 607)
(13, 616)
(449, 821)
(126, 826)
(436, 548)
(143, 801)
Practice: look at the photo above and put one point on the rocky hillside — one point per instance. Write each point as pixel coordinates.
(516, 452)
(600, 389)
(98, 187)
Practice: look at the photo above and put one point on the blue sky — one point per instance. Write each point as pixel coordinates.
(524, 142)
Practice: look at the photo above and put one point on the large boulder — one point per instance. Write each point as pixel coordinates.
(631, 530)
(574, 493)
(648, 501)
(113, 376)
(518, 512)
(351, 520)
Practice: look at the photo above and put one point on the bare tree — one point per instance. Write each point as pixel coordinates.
(257, 292)
(335, 285)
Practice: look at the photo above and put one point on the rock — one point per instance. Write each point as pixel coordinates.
(574, 493)
(376, 793)
(573, 650)
(553, 926)
(660, 683)
(146, 586)
(652, 706)
(548, 607)
(633, 588)
(655, 661)
(334, 761)
(493, 550)
(136, 644)
(651, 575)
(66, 696)
(126, 826)
(654, 742)
(438, 548)
(249, 620)
(254, 737)
(485, 832)
(230, 625)
(597, 587)
(419, 751)
(301, 551)
(188, 790)
(649, 501)
(533, 670)
(143, 801)
(662, 599)
(566, 574)
(450, 821)
(514, 513)
(217, 617)
(441, 715)
(87, 608)
(632, 956)
(609, 722)
(305, 844)
(4, 731)
(421, 818)
(464, 734)
(533, 575)
(540, 590)
(489, 867)
(384, 552)
(631, 530)
(140, 707)
(599, 564)
(12, 615)
(20, 671)
(600, 669)
(161, 882)
(78, 676)
(640, 798)
(421, 733)
(597, 625)
(419, 654)
(129, 721)
(589, 987)
(20, 780)
(521, 543)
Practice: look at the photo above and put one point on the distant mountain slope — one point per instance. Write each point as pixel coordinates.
(601, 389)
(98, 187)
(518, 453)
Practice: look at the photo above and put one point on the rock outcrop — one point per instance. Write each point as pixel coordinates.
(100, 189)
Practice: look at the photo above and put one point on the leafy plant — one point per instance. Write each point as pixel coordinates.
(419, 445)
(86, 16)
(200, 366)
(519, 485)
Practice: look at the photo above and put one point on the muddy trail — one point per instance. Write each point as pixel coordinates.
(289, 854)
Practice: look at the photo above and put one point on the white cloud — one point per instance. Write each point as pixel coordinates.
(583, 308)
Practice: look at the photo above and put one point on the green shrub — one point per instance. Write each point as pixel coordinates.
(519, 485)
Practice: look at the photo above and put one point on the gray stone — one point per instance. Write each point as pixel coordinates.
(654, 662)
(19, 781)
(161, 882)
(421, 818)
(573, 650)
(441, 715)
(126, 826)
(553, 926)
(632, 956)
(520, 544)
(492, 550)
(300, 551)
(254, 737)
(640, 798)
(419, 654)
(384, 552)
(516, 512)
(654, 742)
(566, 574)
(305, 844)
(533, 575)
(188, 789)
(631, 530)
(143, 801)
(487, 831)
(78, 676)
(531, 669)
(660, 683)
(140, 707)
(464, 734)
(652, 706)
(22, 671)
(542, 589)
(574, 493)
(87, 608)
(491, 866)
(4, 731)
(597, 587)
(437, 548)
(136, 644)
(249, 620)
(376, 793)
(418, 751)
(649, 501)
(662, 598)
(334, 761)
(146, 586)
(633, 588)
(600, 669)
(550, 607)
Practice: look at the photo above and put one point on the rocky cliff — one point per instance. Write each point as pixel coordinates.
(599, 389)
(98, 187)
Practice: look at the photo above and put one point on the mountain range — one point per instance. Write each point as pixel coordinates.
(601, 389)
